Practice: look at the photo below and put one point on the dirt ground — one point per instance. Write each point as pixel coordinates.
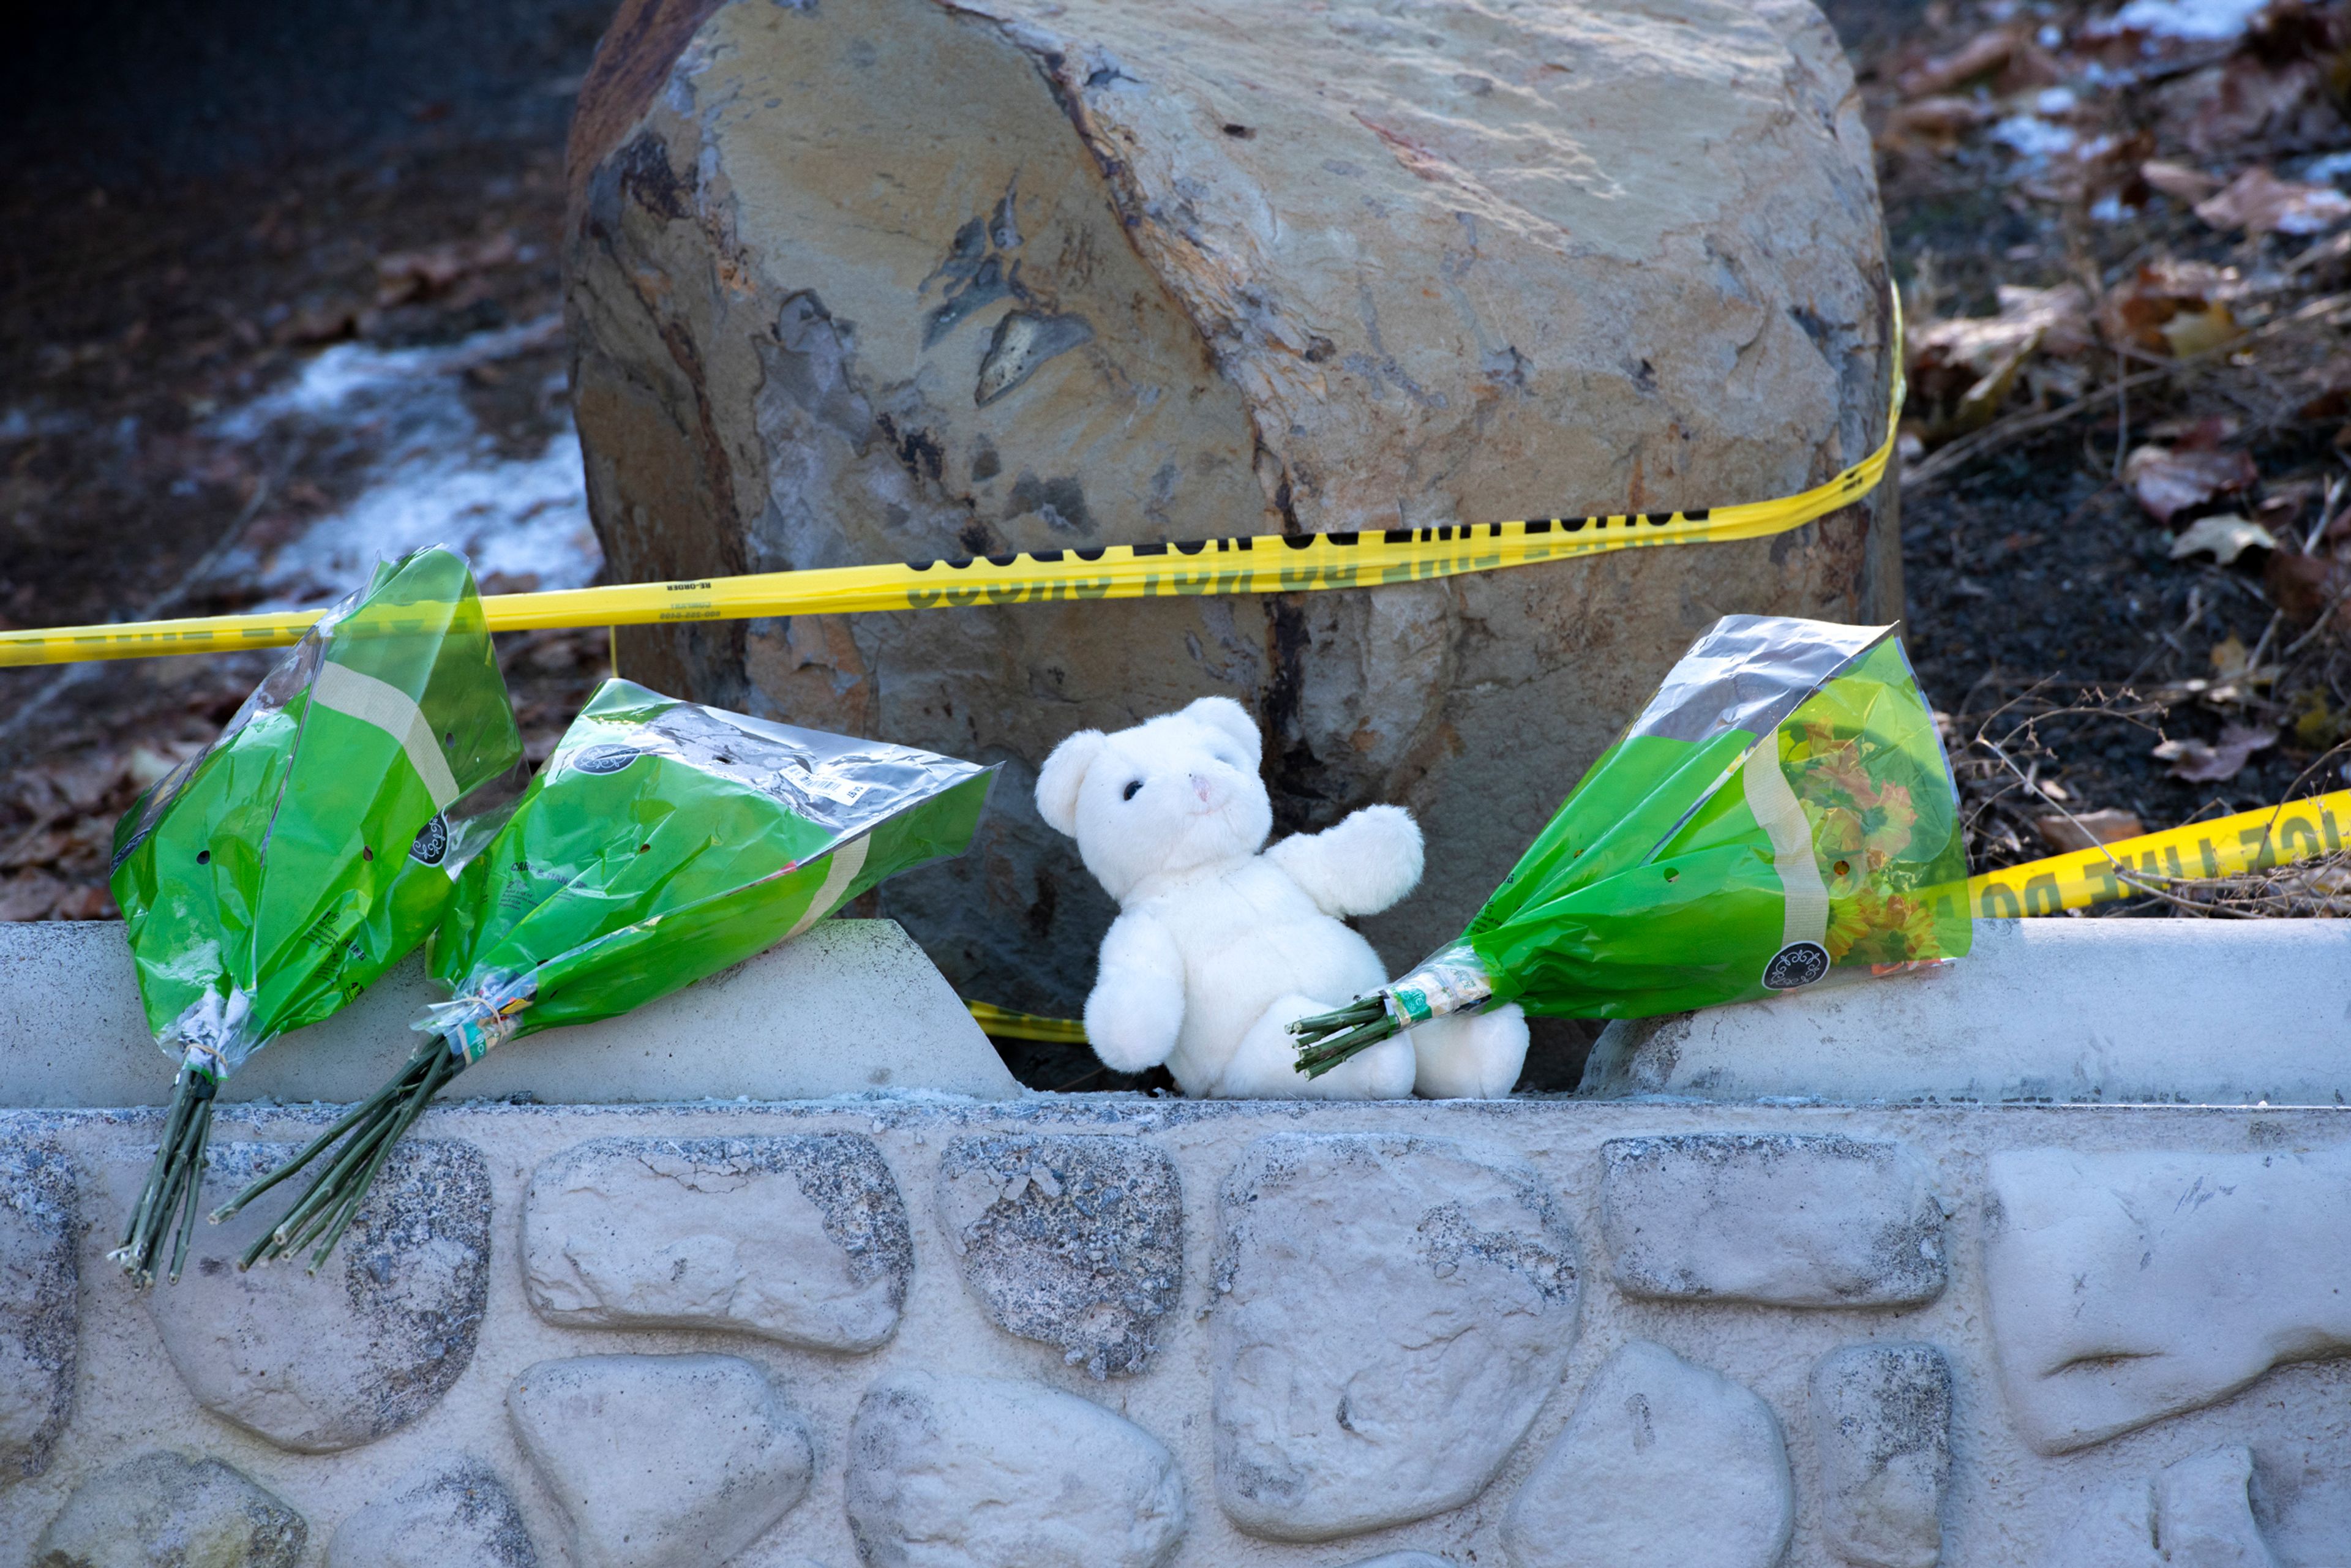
(2120, 237)
(2058, 206)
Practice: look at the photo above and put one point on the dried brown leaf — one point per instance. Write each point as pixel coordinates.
(2305, 586)
(1939, 121)
(2168, 482)
(2224, 538)
(2177, 181)
(2260, 203)
(1979, 55)
(2215, 762)
(2141, 309)
(1967, 366)
(2064, 834)
(2245, 100)
(419, 273)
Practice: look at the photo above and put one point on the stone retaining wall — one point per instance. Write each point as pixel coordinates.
(1109, 1331)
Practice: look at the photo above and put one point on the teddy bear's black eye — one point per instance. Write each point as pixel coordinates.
(1134, 787)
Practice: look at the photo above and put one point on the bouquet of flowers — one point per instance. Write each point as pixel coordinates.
(1781, 814)
(270, 879)
(661, 843)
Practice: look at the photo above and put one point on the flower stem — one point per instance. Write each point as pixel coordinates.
(168, 1202)
(367, 1132)
(1327, 1039)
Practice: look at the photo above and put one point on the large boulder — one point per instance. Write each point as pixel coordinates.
(883, 279)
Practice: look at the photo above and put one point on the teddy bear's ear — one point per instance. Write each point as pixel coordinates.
(1063, 775)
(1229, 717)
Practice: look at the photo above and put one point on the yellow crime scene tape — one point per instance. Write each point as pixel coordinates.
(2225, 846)
(1269, 563)
(1246, 563)
(2200, 851)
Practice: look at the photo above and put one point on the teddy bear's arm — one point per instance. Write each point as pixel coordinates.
(1359, 867)
(1136, 1007)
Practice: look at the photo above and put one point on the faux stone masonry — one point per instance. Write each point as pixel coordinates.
(321, 1362)
(1119, 1332)
(1078, 1242)
(802, 1241)
(40, 1283)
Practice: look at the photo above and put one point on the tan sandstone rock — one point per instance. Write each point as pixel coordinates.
(876, 280)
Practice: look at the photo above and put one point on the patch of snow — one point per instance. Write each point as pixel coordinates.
(2109, 209)
(2193, 21)
(523, 518)
(2055, 101)
(22, 424)
(2031, 136)
(360, 372)
(2327, 171)
(428, 472)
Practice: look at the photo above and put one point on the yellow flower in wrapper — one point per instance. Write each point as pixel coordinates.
(1881, 929)
(1863, 822)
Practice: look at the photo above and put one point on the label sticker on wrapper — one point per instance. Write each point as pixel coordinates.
(605, 758)
(431, 845)
(1798, 964)
(1433, 990)
(473, 1025)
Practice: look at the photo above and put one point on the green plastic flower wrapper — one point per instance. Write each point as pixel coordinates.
(267, 881)
(661, 843)
(1781, 814)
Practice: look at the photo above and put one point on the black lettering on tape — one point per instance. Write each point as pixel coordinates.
(2262, 846)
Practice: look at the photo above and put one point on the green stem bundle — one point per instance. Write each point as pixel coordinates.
(167, 1204)
(1327, 1039)
(368, 1131)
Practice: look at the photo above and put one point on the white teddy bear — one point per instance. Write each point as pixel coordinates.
(1216, 948)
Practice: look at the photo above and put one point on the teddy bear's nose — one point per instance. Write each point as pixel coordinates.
(1202, 787)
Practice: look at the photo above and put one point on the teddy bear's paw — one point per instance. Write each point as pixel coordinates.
(1361, 867)
(1385, 832)
(1470, 1056)
(1132, 1021)
(1385, 1072)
